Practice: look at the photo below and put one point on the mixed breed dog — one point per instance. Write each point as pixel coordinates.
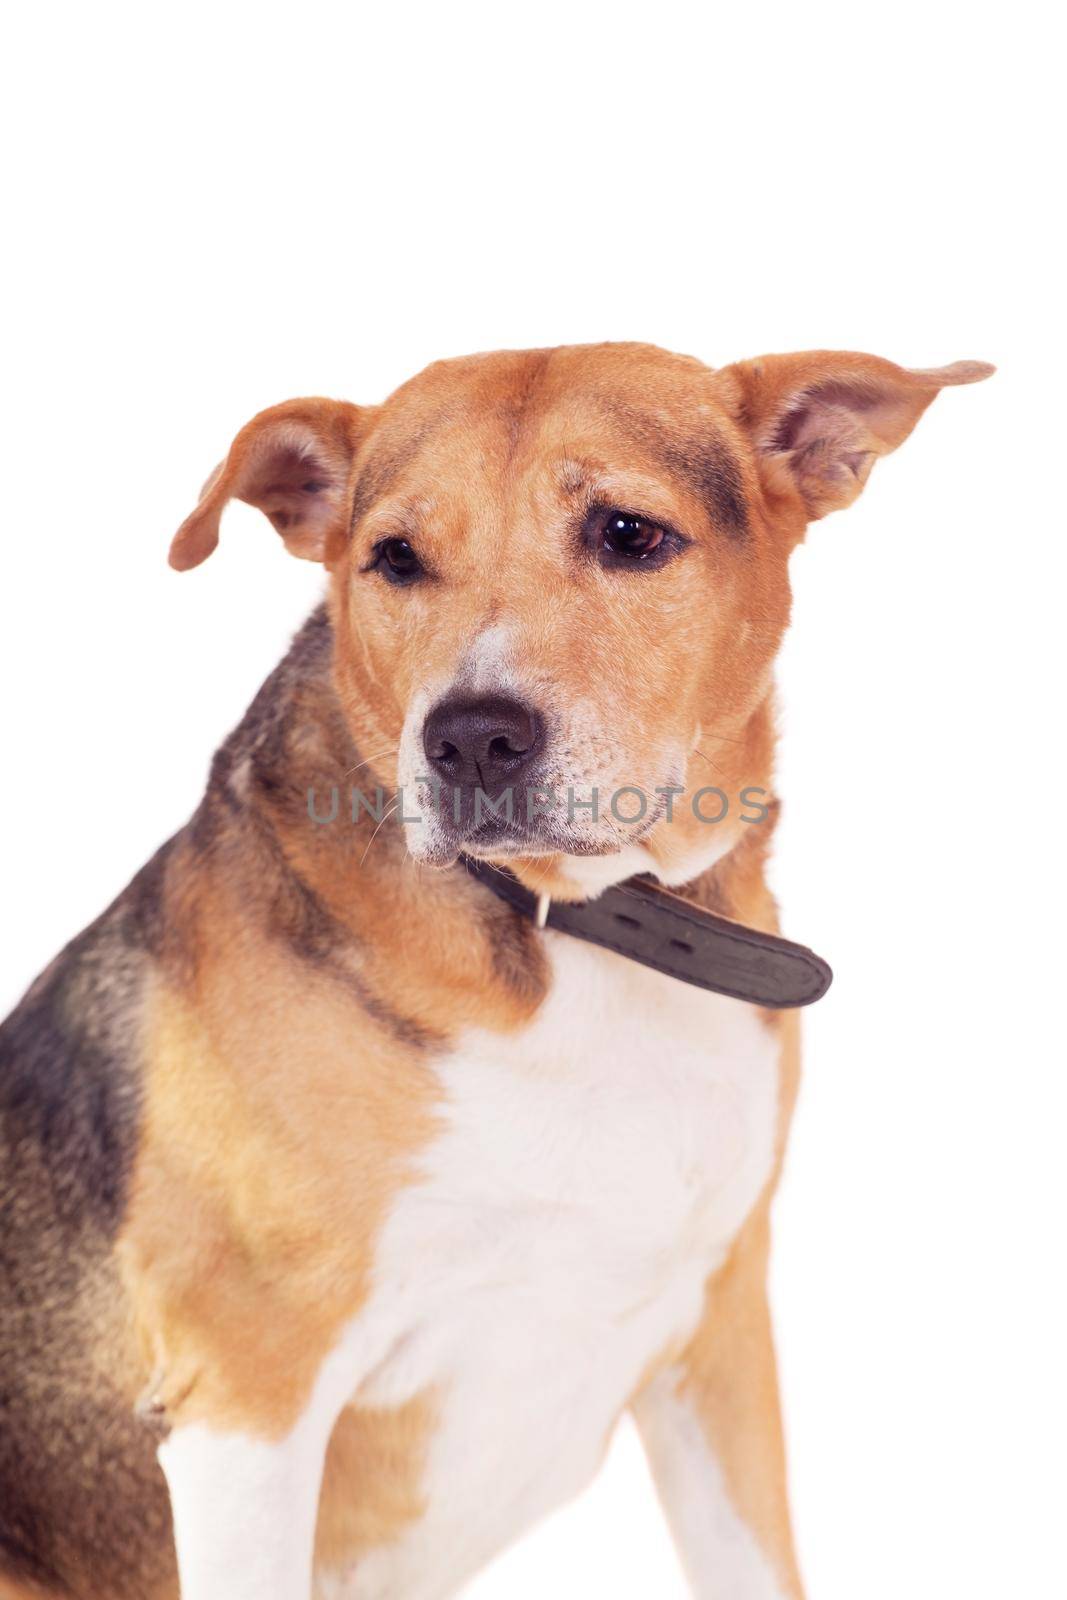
(356, 1178)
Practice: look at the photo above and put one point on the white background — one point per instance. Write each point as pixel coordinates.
(213, 208)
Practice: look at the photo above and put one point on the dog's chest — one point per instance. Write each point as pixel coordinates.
(589, 1173)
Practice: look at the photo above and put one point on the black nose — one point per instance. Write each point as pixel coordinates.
(485, 743)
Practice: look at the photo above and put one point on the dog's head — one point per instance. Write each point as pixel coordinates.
(560, 578)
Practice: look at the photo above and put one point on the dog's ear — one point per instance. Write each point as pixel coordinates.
(294, 463)
(819, 420)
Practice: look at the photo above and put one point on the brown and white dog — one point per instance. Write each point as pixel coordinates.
(344, 1210)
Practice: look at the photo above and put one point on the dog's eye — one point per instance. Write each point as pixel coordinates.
(397, 560)
(626, 535)
(627, 539)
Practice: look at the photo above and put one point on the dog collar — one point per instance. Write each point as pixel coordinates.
(651, 925)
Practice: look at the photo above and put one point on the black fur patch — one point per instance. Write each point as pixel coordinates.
(68, 1093)
(704, 463)
(83, 1505)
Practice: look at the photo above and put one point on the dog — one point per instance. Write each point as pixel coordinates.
(346, 1206)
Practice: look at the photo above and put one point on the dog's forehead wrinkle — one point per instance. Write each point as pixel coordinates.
(515, 407)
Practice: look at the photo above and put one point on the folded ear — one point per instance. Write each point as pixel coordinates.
(294, 463)
(819, 420)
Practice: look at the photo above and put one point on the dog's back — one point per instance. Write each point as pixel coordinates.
(80, 1490)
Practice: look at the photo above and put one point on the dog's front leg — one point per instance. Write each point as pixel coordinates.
(712, 1431)
(244, 1510)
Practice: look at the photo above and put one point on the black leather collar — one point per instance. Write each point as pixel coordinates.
(651, 925)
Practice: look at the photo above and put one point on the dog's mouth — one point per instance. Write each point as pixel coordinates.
(498, 842)
(496, 828)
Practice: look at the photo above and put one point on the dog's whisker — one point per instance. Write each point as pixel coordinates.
(385, 817)
(376, 757)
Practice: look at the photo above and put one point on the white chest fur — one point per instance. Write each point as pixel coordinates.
(589, 1174)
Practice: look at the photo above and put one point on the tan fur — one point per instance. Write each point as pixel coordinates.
(371, 1487)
